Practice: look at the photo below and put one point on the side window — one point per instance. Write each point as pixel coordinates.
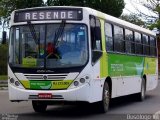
(95, 33)
(98, 35)
(118, 39)
(153, 50)
(145, 45)
(96, 45)
(129, 41)
(109, 37)
(138, 43)
(17, 45)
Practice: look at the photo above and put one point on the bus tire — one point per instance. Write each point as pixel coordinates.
(142, 94)
(104, 104)
(39, 106)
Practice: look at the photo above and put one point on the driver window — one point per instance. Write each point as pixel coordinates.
(95, 28)
(95, 33)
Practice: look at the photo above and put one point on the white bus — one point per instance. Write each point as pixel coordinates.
(78, 54)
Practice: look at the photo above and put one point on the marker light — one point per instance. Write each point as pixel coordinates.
(87, 77)
(76, 83)
(12, 80)
(82, 80)
(17, 83)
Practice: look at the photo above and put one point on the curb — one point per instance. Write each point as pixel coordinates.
(3, 81)
(3, 84)
(3, 88)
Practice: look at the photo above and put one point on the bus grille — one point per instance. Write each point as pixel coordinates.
(46, 77)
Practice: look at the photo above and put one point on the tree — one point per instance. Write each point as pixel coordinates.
(7, 6)
(3, 59)
(133, 19)
(111, 7)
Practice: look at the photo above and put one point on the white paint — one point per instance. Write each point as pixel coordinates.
(125, 85)
(63, 15)
(156, 116)
(152, 82)
(77, 94)
(41, 15)
(34, 16)
(48, 15)
(27, 16)
(70, 14)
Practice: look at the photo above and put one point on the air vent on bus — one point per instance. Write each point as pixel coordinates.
(47, 77)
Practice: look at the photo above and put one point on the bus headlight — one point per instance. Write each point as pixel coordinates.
(80, 81)
(16, 83)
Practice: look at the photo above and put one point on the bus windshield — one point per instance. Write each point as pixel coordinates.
(48, 45)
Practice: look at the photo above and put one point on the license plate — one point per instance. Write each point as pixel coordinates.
(44, 95)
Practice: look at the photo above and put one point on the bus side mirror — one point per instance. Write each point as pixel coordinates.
(96, 55)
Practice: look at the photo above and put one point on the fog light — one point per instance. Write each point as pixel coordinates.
(12, 80)
(76, 83)
(17, 83)
(82, 80)
(87, 77)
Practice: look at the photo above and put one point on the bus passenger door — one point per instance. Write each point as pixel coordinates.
(96, 53)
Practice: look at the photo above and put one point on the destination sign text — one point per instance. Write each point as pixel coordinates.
(40, 15)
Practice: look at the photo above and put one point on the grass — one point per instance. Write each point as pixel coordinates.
(3, 77)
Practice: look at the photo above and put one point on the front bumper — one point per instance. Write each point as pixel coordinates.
(80, 93)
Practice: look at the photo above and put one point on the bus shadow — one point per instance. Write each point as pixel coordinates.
(126, 101)
(83, 111)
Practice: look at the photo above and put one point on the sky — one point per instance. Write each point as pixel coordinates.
(127, 10)
(132, 5)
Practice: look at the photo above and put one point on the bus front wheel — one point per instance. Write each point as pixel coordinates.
(39, 106)
(104, 104)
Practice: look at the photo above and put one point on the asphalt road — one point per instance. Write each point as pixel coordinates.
(122, 108)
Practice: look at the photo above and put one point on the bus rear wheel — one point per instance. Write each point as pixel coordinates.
(142, 94)
(104, 104)
(39, 106)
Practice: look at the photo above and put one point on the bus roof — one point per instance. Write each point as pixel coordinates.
(120, 22)
(107, 17)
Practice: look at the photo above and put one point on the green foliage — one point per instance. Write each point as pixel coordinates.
(154, 25)
(20, 4)
(7, 6)
(3, 59)
(3, 77)
(133, 19)
(111, 7)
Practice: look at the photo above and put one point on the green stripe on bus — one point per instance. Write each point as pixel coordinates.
(150, 66)
(25, 83)
(103, 60)
(46, 85)
(126, 65)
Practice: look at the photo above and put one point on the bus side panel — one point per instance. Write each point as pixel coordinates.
(125, 72)
(151, 72)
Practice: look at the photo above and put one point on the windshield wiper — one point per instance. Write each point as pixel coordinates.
(32, 30)
(59, 32)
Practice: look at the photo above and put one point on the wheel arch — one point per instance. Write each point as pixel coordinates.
(109, 81)
(145, 79)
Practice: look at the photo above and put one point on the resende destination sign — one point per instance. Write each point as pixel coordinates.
(47, 14)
